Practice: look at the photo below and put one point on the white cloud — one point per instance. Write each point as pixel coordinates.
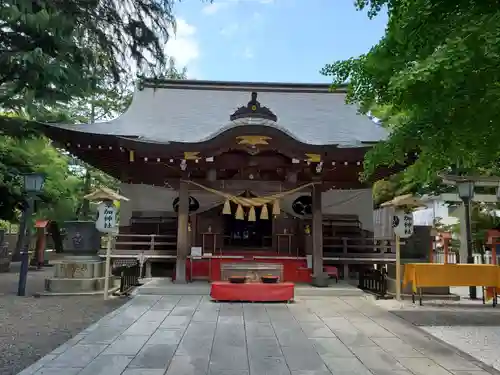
(183, 46)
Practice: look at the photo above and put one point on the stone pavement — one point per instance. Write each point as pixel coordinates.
(468, 325)
(190, 335)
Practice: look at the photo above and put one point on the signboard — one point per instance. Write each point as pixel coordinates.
(402, 223)
(106, 218)
(196, 251)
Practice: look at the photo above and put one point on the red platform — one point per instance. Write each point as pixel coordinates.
(252, 292)
(294, 269)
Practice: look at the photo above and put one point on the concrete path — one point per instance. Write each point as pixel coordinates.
(190, 335)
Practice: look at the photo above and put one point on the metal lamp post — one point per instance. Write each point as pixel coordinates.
(32, 184)
(466, 193)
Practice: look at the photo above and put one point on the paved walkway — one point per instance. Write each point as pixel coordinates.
(190, 335)
(468, 325)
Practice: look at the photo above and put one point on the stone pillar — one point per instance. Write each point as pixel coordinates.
(317, 232)
(182, 233)
(463, 233)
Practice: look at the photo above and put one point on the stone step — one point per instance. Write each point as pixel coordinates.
(164, 286)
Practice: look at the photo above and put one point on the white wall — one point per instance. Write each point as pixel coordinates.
(157, 199)
(435, 209)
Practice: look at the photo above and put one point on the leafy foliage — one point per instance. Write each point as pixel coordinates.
(434, 78)
(70, 61)
(50, 48)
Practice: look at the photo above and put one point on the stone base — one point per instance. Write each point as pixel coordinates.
(321, 281)
(76, 274)
(76, 285)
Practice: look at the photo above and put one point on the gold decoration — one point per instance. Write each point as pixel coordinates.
(189, 227)
(191, 155)
(253, 140)
(131, 156)
(307, 229)
(253, 201)
(227, 207)
(276, 207)
(251, 214)
(254, 107)
(313, 158)
(264, 213)
(240, 214)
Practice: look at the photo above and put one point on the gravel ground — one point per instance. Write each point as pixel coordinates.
(32, 327)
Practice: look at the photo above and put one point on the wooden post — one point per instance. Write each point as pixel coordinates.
(182, 233)
(398, 268)
(107, 270)
(317, 232)
(493, 240)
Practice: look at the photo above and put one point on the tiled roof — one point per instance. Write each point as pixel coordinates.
(193, 111)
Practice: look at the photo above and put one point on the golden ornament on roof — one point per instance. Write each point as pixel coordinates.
(313, 158)
(253, 140)
(191, 155)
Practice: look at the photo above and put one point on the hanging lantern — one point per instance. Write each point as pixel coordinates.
(264, 213)
(227, 208)
(240, 214)
(251, 214)
(276, 208)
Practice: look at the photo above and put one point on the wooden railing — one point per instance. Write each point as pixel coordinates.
(361, 245)
(374, 281)
(358, 250)
(152, 245)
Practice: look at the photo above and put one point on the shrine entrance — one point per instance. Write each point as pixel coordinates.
(247, 232)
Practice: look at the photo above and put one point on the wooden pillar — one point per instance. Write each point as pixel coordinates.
(317, 232)
(182, 233)
(194, 230)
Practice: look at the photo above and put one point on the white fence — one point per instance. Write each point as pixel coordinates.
(439, 257)
(478, 258)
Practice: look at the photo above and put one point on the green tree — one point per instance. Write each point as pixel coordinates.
(434, 79)
(50, 48)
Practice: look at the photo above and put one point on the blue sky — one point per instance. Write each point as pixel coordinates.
(269, 40)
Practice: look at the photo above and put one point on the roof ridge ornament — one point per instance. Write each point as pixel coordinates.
(254, 110)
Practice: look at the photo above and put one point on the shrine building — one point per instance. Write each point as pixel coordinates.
(225, 173)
